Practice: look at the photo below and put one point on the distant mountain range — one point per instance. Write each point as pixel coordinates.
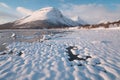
(103, 25)
(48, 17)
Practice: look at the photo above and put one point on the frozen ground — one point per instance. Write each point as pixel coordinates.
(68, 55)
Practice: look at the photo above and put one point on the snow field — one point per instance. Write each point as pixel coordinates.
(96, 57)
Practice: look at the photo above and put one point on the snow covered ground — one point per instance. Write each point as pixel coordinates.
(68, 55)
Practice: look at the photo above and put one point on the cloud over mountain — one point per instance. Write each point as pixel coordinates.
(93, 13)
(4, 5)
(6, 13)
(24, 11)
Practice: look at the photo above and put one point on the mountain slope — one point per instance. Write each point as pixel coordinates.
(48, 17)
(49, 13)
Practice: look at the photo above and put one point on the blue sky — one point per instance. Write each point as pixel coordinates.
(92, 11)
(36, 4)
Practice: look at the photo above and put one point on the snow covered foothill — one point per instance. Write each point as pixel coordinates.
(96, 57)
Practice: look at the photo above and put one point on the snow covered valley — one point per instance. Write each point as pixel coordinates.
(60, 54)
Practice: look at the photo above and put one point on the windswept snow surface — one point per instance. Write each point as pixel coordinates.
(71, 55)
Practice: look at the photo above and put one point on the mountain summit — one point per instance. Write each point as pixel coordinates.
(48, 17)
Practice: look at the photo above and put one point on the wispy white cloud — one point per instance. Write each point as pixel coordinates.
(7, 14)
(92, 13)
(24, 11)
(4, 5)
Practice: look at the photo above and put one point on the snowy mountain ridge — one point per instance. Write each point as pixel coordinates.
(45, 18)
(42, 14)
(49, 17)
(51, 14)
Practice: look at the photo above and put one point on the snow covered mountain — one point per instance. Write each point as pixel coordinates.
(78, 20)
(51, 14)
(48, 17)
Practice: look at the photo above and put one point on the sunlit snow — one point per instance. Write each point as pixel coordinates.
(60, 54)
